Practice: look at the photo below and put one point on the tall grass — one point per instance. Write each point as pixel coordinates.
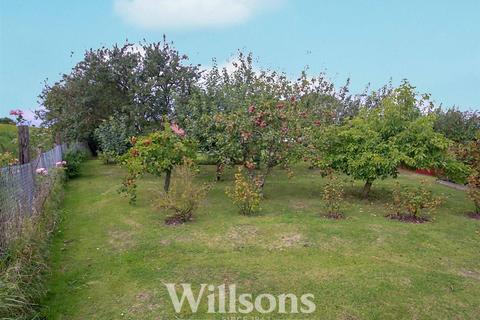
(24, 266)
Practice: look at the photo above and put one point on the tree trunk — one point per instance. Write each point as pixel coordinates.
(366, 189)
(168, 175)
(23, 144)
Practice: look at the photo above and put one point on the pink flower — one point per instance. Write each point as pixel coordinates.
(42, 171)
(61, 163)
(19, 115)
(251, 109)
(246, 135)
(16, 112)
(177, 130)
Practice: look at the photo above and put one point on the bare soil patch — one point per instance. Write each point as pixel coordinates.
(408, 218)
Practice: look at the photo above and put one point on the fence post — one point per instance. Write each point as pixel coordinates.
(23, 144)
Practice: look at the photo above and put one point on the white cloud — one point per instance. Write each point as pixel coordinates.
(156, 14)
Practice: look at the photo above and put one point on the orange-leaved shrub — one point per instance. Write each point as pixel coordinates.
(184, 196)
(333, 194)
(246, 193)
(415, 203)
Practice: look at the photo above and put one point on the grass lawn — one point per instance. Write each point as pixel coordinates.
(110, 259)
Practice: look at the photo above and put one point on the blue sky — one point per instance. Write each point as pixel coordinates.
(435, 44)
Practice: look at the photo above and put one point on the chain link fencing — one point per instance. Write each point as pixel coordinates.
(24, 188)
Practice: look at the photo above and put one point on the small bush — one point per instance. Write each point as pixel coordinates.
(474, 190)
(108, 157)
(7, 159)
(184, 195)
(113, 138)
(333, 194)
(245, 193)
(414, 204)
(74, 158)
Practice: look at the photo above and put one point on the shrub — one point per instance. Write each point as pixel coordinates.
(474, 178)
(74, 158)
(7, 159)
(474, 190)
(414, 203)
(245, 193)
(333, 194)
(184, 195)
(108, 157)
(113, 138)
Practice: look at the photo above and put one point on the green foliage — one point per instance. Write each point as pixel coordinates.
(474, 189)
(113, 138)
(97, 87)
(267, 133)
(8, 137)
(245, 193)
(474, 178)
(375, 143)
(108, 157)
(205, 116)
(41, 140)
(24, 266)
(333, 194)
(7, 159)
(6, 120)
(74, 158)
(456, 125)
(157, 153)
(184, 196)
(118, 81)
(417, 201)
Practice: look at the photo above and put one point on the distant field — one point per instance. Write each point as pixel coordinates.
(8, 133)
(39, 138)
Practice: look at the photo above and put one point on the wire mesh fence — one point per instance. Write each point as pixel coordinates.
(23, 190)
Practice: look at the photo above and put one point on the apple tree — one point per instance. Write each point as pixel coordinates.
(375, 143)
(156, 153)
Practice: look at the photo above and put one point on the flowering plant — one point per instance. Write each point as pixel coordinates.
(19, 116)
(266, 133)
(7, 159)
(42, 171)
(177, 130)
(157, 153)
(60, 164)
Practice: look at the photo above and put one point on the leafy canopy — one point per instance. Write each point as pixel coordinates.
(156, 153)
(375, 143)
